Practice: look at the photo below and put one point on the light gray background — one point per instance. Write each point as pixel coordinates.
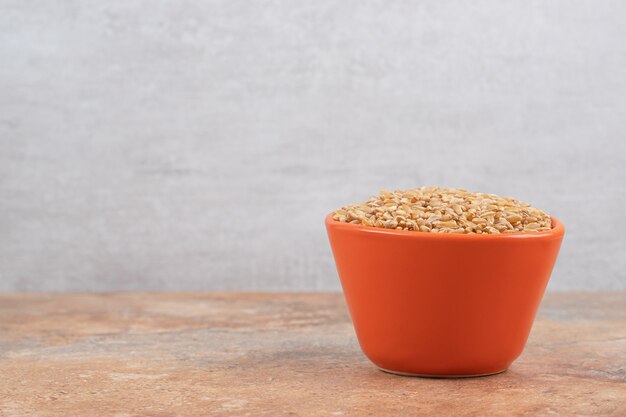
(182, 145)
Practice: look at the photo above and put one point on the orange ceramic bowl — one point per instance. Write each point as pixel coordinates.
(436, 304)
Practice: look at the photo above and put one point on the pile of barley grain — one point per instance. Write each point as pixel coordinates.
(445, 210)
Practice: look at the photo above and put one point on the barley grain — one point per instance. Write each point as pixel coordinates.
(445, 210)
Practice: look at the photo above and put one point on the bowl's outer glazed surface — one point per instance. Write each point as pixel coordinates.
(442, 304)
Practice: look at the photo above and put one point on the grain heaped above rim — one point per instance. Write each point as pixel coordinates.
(445, 210)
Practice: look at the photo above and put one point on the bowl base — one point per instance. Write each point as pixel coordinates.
(441, 376)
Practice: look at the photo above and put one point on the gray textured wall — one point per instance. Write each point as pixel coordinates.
(198, 145)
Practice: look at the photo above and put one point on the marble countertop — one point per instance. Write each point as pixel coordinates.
(214, 354)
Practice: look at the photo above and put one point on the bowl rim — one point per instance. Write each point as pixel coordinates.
(557, 231)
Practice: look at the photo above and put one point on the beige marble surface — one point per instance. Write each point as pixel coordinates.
(188, 354)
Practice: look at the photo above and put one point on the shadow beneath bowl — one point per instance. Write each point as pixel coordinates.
(441, 376)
